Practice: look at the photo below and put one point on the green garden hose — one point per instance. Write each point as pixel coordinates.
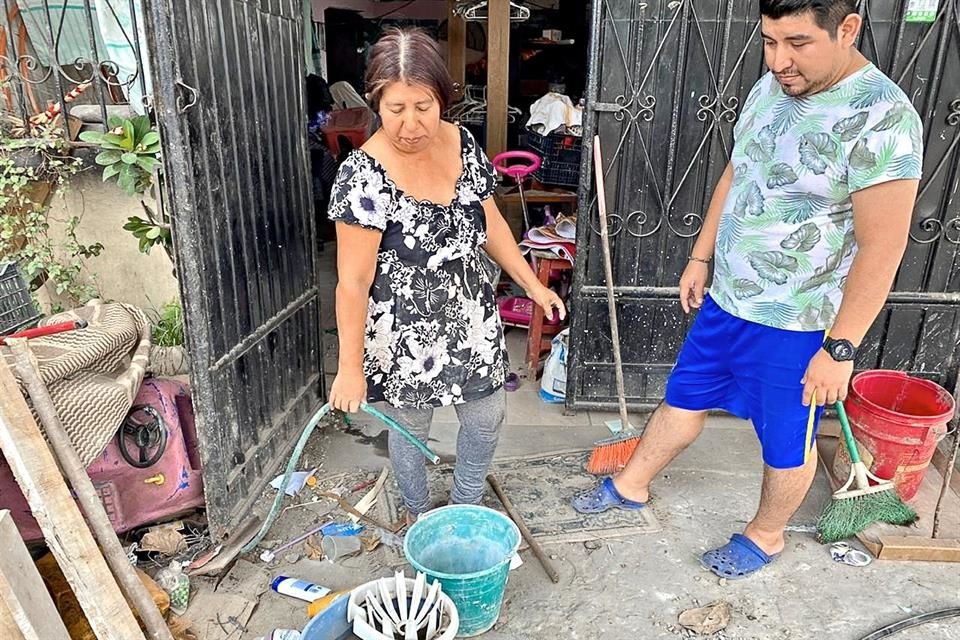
(298, 451)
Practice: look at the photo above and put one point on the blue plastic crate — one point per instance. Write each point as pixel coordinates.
(560, 155)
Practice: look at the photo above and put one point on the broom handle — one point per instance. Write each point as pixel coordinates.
(859, 469)
(608, 276)
(847, 433)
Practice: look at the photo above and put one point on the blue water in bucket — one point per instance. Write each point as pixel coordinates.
(468, 549)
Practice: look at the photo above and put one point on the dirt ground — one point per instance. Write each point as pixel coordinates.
(634, 587)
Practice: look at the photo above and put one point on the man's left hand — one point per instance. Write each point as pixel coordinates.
(826, 380)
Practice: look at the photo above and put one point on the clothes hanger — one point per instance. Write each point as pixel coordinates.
(478, 11)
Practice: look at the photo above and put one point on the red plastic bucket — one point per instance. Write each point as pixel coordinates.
(897, 421)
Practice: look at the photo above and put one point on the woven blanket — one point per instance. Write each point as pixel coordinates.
(93, 374)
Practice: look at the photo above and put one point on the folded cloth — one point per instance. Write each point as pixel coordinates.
(544, 235)
(566, 227)
(562, 250)
(556, 238)
(553, 111)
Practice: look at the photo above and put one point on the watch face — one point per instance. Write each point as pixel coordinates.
(842, 350)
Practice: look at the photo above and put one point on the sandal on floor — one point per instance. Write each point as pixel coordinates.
(737, 559)
(603, 497)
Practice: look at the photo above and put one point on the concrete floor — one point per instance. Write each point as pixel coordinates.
(636, 587)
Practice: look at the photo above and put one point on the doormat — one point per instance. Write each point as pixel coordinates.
(540, 487)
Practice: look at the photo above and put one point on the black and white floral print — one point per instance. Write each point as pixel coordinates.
(433, 335)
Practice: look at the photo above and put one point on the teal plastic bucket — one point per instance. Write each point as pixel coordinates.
(468, 549)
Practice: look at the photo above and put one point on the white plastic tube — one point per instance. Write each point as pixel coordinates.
(301, 589)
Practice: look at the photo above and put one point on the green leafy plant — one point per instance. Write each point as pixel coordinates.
(35, 162)
(151, 231)
(130, 152)
(168, 325)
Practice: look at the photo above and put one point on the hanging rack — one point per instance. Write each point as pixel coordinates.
(473, 108)
(478, 11)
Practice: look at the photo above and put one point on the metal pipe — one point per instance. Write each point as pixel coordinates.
(524, 531)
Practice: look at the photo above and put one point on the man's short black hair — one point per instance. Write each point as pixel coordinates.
(828, 13)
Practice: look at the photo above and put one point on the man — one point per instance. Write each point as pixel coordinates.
(806, 228)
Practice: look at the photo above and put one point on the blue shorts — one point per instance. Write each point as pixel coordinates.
(752, 371)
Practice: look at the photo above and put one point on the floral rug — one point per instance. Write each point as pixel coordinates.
(540, 487)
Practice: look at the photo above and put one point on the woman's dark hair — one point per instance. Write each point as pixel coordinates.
(827, 13)
(411, 56)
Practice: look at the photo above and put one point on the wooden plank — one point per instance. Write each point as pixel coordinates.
(8, 626)
(885, 545)
(498, 75)
(59, 517)
(456, 46)
(23, 595)
(939, 462)
(915, 548)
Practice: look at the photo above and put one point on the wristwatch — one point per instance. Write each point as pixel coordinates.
(840, 350)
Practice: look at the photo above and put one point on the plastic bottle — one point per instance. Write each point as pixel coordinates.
(282, 634)
(301, 589)
(548, 219)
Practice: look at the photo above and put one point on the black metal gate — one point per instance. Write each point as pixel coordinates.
(230, 102)
(667, 79)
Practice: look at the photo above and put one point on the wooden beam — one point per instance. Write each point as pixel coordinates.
(456, 46)
(498, 75)
(919, 549)
(8, 626)
(26, 609)
(59, 518)
(76, 475)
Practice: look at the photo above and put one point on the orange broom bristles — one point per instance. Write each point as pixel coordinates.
(612, 456)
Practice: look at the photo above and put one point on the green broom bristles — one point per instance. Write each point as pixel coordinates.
(846, 517)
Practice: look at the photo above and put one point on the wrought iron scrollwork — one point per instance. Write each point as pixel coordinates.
(636, 108)
(614, 224)
(694, 223)
(58, 58)
(635, 223)
(949, 231)
(720, 108)
(953, 113)
(933, 229)
(640, 224)
(22, 68)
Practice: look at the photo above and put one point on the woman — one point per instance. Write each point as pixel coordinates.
(416, 313)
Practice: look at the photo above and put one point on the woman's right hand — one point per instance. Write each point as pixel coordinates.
(349, 391)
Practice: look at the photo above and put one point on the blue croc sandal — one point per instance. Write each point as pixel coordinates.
(603, 497)
(737, 559)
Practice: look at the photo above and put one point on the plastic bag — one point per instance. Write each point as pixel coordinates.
(553, 385)
(177, 585)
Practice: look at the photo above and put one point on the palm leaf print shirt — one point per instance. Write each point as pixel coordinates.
(785, 242)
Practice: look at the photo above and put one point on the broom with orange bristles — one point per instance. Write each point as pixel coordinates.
(611, 455)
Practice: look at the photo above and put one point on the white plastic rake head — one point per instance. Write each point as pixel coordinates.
(401, 608)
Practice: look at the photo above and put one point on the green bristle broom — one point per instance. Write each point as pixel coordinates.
(854, 509)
